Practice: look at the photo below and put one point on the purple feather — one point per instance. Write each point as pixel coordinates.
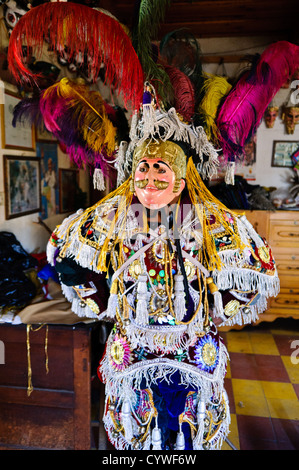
(53, 114)
(28, 111)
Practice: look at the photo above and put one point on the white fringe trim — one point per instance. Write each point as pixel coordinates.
(210, 388)
(162, 369)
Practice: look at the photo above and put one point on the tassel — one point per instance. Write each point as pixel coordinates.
(180, 439)
(230, 173)
(218, 304)
(201, 412)
(113, 301)
(98, 180)
(179, 300)
(252, 233)
(126, 420)
(30, 386)
(156, 438)
(120, 162)
(141, 308)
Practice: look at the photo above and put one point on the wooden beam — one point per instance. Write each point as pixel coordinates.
(218, 59)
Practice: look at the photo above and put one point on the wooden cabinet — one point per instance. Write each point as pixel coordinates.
(57, 414)
(281, 230)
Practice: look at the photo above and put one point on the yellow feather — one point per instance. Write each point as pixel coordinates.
(215, 88)
(89, 113)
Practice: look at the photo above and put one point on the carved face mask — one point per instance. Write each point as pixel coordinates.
(154, 183)
(270, 115)
(158, 172)
(290, 116)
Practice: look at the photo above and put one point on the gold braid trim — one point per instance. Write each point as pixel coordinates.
(28, 329)
(124, 203)
(205, 205)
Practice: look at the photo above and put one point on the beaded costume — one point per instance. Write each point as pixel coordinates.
(163, 354)
(175, 271)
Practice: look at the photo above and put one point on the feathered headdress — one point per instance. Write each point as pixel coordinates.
(191, 107)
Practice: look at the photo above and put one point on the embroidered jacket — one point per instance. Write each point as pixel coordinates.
(162, 300)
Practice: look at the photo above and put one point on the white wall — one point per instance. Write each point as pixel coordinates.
(266, 175)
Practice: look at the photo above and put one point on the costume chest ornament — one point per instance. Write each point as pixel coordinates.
(120, 353)
(207, 353)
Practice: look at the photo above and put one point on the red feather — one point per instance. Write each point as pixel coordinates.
(85, 32)
(244, 107)
(184, 96)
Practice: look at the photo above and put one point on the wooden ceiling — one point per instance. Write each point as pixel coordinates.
(222, 18)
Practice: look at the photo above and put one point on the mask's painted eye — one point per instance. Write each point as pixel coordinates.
(159, 168)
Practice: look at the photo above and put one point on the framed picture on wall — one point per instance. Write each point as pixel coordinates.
(42, 135)
(21, 137)
(47, 152)
(68, 188)
(22, 185)
(283, 151)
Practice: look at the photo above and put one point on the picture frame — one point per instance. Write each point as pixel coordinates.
(21, 185)
(42, 135)
(282, 153)
(48, 154)
(68, 187)
(21, 137)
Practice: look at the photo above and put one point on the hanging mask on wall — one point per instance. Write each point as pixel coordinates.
(12, 12)
(270, 115)
(290, 116)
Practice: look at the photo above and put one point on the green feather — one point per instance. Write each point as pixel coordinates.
(149, 15)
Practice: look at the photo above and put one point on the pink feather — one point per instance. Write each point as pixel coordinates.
(244, 107)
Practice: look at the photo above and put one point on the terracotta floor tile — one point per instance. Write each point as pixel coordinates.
(287, 430)
(243, 366)
(262, 384)
(271, 368)
(291, 369)
(286, 344)
(247, 387)
(230, 394)
(251, 405)
(257, 426)
(249, 442)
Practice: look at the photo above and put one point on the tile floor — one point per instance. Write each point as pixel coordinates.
(262, 383)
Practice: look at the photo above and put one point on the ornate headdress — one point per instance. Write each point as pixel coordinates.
(166, 90)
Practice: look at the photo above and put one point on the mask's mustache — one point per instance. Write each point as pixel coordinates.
(141, 184)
